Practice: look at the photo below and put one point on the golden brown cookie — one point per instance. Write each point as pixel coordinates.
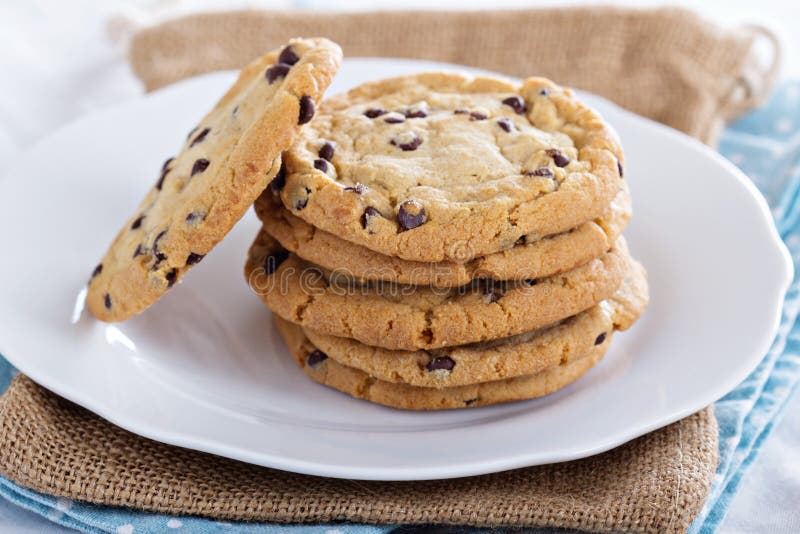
(523, 354)
(433, 167)
(406, 317)
(225, 163)
(360, 385)
(532, 257)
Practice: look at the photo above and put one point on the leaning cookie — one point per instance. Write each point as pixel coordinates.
(225, 163)
(531, 257)
(524, 354)
(359, 384)
(424, 317)
(426, 166)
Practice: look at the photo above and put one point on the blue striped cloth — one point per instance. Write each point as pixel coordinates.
(766, 146)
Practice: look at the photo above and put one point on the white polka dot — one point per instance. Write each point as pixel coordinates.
(55, 515)
(125, 529)
(63, 504)
(334, 531)
(737, 158)
(174, 523)
(784, 125)
(224, 524)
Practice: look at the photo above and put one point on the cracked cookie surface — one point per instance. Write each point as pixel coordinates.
(408, 317)
(359, 384)
(531, 257)
(519, 355)
(438, 166)
(225, 163)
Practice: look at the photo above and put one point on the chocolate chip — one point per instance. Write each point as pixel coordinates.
(321, 165)
(194, 258)
(171, 277)
(470, 402)
(619, 168)
(492, 292)
(195, 217)
(274, 260)
(288, 56)
(137, 223)
(199, 139)
(394, 118)
(164, 170)
(107, 302)
(415, 113)
(541, 171)
(600, 339)
(374, 113)
(492, 296)
(358, 189)
(516, 103)
(521, 241)
(411, 215)
(235, 110)
(441, 363)
(303, 202)
(505, 124)
(316, 358)
(160, 256)
(477, 116)
(408, 146)
(139, 251)
(97, 270)
(326, 151)
(279, 70)
(544, 91)
(277, 183)
(558, 157)
(369, 214)
(199, 166)
(306, 109)
(530, 282)
(461, 111)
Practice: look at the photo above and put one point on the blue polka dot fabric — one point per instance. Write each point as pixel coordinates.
(766, 145)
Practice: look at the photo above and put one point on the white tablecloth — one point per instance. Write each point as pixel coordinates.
(61, 60)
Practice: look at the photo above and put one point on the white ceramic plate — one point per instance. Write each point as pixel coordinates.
(205, 369)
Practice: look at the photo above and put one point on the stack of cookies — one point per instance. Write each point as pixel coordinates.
(444, 241)
(429, 241)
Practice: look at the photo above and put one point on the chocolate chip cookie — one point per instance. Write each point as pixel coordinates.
(519, 355)
(360, 385)
(405, 317)
(532, 257)
(224, 164)
(434, 167)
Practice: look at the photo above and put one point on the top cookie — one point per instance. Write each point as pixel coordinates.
(225, 163)
(436, 166)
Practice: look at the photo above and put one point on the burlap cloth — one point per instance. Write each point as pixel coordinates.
(666, 64)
